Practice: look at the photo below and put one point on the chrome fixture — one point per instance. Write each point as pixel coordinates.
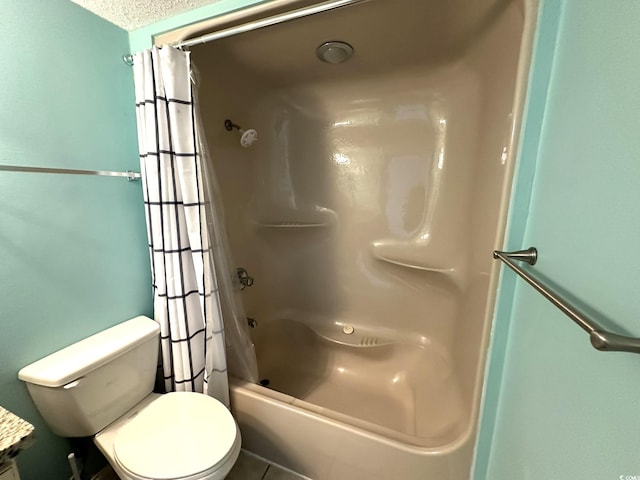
(244, 278)
(257, 24)
(334, 52)
(247, 137)
(130, 175)
(530, 255)
(600, 338)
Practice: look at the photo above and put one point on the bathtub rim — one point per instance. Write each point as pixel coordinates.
(337, 420)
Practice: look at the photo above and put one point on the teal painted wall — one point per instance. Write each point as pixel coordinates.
(73, 254)
(559, 409)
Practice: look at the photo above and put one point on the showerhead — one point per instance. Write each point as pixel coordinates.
(247, 137)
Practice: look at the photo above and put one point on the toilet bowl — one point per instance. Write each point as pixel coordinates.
(201, 441)
(101, 387)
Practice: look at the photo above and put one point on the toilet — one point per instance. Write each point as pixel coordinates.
(102, 387)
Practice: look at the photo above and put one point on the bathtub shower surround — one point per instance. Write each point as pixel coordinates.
(367, 214)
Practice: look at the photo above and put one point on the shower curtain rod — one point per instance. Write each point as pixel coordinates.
(129, 175)
(256, 24)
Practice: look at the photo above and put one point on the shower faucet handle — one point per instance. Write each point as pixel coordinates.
(244, 278)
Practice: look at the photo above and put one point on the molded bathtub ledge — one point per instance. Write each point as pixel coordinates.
(412, 255)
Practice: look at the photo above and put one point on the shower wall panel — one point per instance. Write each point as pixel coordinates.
(354, 206)
(369, 207)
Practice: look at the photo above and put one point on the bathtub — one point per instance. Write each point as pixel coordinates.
(367, 213)
(355, 408)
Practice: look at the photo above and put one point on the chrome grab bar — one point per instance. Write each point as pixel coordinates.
(600, 338)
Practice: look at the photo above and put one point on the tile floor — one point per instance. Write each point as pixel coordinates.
(250, 467)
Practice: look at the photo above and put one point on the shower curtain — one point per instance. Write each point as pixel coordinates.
(190, 290)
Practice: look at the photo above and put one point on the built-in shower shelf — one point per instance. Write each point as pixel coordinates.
(410, 256)
(304, 218)
(415, 266)
(291, 225)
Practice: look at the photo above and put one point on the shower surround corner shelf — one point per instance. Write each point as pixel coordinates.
(289, 225)
(414, 266)
(377, 251)
(279, 218)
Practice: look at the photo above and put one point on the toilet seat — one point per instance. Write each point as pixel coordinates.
(180, 435)
(220, 471)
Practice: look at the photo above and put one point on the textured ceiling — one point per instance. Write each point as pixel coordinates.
(132, 14)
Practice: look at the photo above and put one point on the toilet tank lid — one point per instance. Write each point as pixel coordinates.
(80, 358)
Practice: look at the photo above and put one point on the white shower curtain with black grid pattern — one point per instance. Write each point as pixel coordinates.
(186, 301)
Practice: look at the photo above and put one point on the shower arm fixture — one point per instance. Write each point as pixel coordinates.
(247, 137)
(229, 125)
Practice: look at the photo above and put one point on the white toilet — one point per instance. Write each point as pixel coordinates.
(102, 386)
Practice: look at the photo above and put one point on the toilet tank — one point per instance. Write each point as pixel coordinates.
(84, 387)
